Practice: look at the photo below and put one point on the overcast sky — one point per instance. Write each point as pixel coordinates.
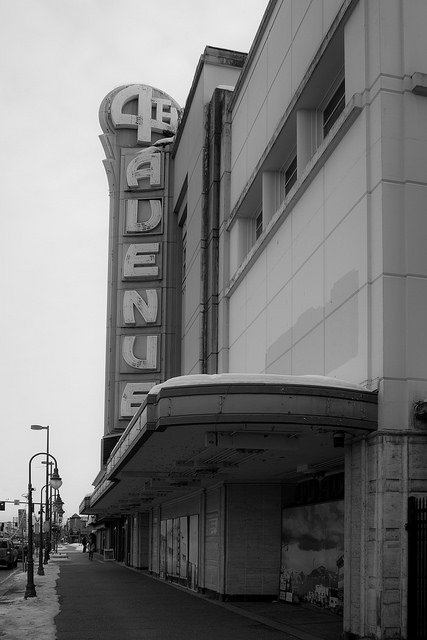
(59, 58)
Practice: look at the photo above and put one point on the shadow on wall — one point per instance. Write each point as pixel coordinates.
(342, 312)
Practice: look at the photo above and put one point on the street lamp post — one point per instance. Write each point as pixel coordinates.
(56, 482)
(40, 570)
(58, 512)
(39, 427)
(48, 519)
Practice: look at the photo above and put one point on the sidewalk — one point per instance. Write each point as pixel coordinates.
(299, 622)
(303, 621)
(32, 619)
(143, 607)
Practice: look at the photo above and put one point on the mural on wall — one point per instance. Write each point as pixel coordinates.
(313, 555)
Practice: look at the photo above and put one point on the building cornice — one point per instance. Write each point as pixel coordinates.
(213, 56)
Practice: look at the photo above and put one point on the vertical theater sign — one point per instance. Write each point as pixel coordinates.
(139, 123)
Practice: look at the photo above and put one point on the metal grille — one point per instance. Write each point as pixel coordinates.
(417, 568)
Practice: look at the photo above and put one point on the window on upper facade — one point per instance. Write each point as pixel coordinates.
(258, 225)
(184, 251)
(289, 176)
(334, 108)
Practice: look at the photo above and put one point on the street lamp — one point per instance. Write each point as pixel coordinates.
(40, 570)
(39, 427)
(48, 518)
(56, 505)
(56, 482)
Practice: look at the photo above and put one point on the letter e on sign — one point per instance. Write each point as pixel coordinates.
(140, 261)
(133, 395)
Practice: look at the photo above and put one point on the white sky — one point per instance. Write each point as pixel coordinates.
(59, 58)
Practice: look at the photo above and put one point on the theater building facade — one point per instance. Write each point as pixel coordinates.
(266, 380)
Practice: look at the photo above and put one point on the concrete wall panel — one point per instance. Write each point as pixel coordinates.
(253, 539)
(346, 341)
(279, 95)
(346, 258)
(308, 354)
(256, 345)
(414, 41)
(278, 45)
(416, 228)
(307, 32)
(307, 296)
(279, 260)
(416, 300)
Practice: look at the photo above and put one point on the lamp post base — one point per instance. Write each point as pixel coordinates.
(40, 571)
(30, 591)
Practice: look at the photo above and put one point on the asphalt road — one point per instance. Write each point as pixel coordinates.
(106, 601)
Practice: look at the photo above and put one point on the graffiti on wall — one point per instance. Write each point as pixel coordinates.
(312, 562)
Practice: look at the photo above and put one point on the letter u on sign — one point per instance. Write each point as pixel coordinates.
(149, 362)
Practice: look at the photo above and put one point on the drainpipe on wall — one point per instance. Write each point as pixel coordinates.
(203, 242)
(210, 231)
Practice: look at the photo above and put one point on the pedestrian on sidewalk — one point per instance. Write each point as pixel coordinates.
(84, 543)
(92, 539)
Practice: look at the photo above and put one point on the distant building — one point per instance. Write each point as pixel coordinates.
(267, 310)
(76, 527)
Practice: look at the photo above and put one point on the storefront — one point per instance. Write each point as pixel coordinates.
(232, 472)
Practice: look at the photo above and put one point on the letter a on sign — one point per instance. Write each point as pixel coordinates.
(146, 164)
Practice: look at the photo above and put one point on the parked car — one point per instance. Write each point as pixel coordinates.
(8, 553)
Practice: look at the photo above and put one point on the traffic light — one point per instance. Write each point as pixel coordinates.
(2, 506)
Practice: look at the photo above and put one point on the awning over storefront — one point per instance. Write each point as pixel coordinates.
(193, 431)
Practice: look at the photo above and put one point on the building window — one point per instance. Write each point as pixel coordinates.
(258, 225)
(333, 109)
(184, 255)
(290, 176)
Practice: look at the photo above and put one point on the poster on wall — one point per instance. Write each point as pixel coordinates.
(312, 565)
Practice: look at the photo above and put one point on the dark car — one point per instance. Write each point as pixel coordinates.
(8, 553)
